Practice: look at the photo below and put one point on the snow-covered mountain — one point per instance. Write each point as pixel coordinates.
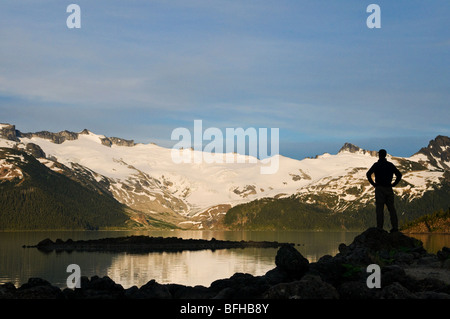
(198, 195)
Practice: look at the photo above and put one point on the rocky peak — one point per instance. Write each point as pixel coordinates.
(108, 141)
(438, 152)
(57, 138)
(351, 148)
(85, 132)
(8, 132)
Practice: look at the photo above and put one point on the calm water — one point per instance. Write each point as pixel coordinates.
(190, 268)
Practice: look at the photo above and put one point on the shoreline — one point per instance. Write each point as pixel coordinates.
(343, 276)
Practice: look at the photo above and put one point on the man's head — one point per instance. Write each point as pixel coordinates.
(382, 153)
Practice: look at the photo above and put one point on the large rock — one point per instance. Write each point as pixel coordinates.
(443, 254)
(291, 261)
(35, 150)
(96, 288)
(377, 239)
(37, 288)
(153, 290)
(240, 286)
(380, 247)
(7, 290)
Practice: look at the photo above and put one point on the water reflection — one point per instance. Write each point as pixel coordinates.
(433, 242)
(191, 268)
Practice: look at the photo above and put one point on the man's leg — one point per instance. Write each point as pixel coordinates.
(392, 211)
(379, 203)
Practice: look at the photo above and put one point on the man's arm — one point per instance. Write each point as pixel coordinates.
(369, 175)
(398, 176)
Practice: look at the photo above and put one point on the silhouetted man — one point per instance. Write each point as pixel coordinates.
(384, 172)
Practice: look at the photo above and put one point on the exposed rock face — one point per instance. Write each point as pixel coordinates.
(9, 132)
(348, 147)
(35, 150)
(57, 138)
(340, 277)
(108, 141)
(438, 151)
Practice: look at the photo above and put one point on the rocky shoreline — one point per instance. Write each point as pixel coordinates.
(406, 273)
(145, 244)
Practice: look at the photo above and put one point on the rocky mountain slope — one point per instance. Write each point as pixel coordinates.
(198, 195)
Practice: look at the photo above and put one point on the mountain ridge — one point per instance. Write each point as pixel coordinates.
(9, 132)
(198, 196)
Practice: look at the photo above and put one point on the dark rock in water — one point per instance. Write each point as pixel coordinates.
(291, 261)
(45, 242)
(144, 244)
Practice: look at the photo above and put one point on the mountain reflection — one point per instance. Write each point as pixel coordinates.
(189, 268)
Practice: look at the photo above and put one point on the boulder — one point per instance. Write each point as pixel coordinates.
(153, 290)
(97, 288)
(380, 247)
(7, 290)
(291, 261)
(37, 288)
(35, 150)
(443, 254)
(245, 286)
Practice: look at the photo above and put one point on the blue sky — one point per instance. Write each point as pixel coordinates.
(139, 69)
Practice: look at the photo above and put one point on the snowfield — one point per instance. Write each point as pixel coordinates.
(146, 178)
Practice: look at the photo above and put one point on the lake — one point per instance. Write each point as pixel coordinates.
(189, 268)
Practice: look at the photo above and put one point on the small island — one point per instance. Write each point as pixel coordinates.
(145, 244)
